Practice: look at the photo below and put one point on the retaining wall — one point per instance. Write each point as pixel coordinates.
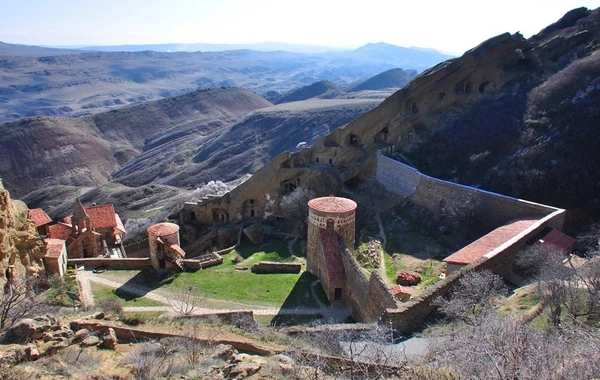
(127, 263)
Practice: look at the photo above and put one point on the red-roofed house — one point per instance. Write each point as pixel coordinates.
(91, 231)
(41, 220)
(55, 259)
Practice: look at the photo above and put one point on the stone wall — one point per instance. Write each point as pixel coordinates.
(204, 261)
(492, 210)
(411, 314)
(128, 263)
(367, 299)
(275, 267)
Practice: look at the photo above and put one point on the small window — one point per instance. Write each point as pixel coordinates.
(337, 294)
(317, 160)
(330, 224)
(331, 161)
(252, 213)
(410, 137)
(251, 201)
(192, 215)
(222, 217)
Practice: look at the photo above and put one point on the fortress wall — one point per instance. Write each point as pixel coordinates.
(410, 315)
(367, 299)
(493, 209)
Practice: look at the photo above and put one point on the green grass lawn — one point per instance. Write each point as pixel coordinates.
(224, 282)
(129, 300)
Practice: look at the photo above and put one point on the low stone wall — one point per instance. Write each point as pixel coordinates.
(204, 261)
(275, 267)
(367, 299)
(410, 315)
(131, 334)
(243, 318)
(128, 263)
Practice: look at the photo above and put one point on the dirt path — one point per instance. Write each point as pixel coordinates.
(86, 290)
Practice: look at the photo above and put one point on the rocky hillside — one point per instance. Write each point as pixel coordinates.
(314, 90)
(21, 248)
(243, 147)
(43, 151)
(538, 138)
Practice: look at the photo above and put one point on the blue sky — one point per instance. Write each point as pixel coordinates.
(450, 26)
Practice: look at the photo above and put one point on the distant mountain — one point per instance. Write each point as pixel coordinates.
(306, 92)
(394, 78)
(87, 83)
(196, 47)
(13, 50)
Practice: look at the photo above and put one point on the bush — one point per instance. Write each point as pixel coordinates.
(110, 306)
(408, 279)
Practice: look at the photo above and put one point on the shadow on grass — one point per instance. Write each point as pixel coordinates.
(143, 282)
(245, 250)
(300, 297)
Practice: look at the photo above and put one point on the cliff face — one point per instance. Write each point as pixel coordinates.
(21, 247)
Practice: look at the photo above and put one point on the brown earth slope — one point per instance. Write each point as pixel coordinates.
(43, 151)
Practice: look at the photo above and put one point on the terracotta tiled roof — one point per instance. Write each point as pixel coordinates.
(177, 249)
(54, 247)
(332, 204)
(119, 229)
(398, 289)
(67, 220)
(162, 229)
(559, 240)
(488, 243)
(39, 217)
(333, 256)
(102, 216)
(60, 231)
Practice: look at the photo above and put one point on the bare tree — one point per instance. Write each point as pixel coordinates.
(184, 301)
(472, 295)
(17, 300)
(294, 208)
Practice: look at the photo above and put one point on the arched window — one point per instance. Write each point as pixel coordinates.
(330, 224)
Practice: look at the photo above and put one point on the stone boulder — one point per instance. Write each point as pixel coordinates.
(90, 341)
(223, 352)
(81, 335)
(241, 370)
(109, 339)
(28, 329)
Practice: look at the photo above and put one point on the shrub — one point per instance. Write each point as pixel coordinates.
(111, 306)
(408, 279)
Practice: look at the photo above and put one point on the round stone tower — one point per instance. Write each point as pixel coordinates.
(159, 236)
(330, 213)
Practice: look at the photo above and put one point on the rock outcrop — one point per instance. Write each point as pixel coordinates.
(21, 247)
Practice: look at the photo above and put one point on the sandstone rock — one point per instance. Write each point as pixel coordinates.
(254, 233)
(284, 362)
(32, 352)
(241, 370)
(29, 329)
(98, 315)
(109, 339)
(21, 249)
(90, 341)
(223, 352)
(81, 334)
